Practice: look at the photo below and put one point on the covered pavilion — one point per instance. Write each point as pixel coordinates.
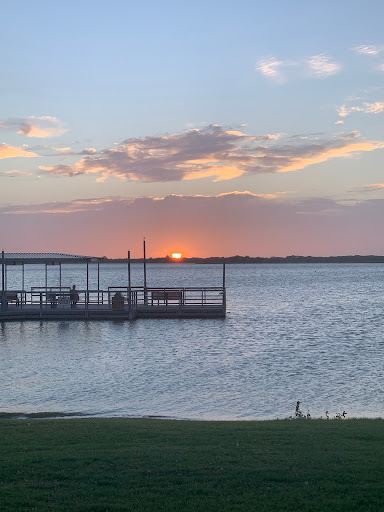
(40, 258)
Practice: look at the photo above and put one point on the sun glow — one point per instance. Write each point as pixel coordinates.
(176, 255)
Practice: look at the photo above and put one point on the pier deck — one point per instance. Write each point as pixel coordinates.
(116, 303)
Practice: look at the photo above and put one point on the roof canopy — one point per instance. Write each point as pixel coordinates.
(48, 258)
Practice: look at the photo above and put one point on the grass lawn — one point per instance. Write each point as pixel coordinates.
(143, 465)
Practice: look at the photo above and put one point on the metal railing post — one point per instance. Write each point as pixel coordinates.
(86, 302)
(3, 290)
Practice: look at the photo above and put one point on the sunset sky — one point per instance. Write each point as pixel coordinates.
(211, 128)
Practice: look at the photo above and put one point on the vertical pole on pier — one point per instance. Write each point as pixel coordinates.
(129, 282)
(87, 293)
(98, 281)
(145, 276)
(3, 292)
(46, 285)
(224, 291)
(60, 275)
(22, 284)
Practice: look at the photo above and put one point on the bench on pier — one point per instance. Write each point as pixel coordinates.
(13, 297)
(165, 296)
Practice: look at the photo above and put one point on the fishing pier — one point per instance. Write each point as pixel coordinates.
(116, 302)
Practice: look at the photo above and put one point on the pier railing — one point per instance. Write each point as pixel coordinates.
(117, 298)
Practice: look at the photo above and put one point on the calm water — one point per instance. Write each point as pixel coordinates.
(293, 332)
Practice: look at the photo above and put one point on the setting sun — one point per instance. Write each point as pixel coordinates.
(176, 255)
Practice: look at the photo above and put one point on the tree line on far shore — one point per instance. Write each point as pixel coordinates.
(250, 259)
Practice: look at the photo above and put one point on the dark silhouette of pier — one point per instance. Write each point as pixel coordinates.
(116, 302)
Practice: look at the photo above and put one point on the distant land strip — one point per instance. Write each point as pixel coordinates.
(250, 259)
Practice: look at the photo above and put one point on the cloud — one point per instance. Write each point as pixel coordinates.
(366, 108)
(316, 66)
(224, 225)
(59, 207)
(270, 67)
(13, 152)
(367, 50)
(63, 150)
(321, 66)
(32, 126)
(88, 151)
(213, 152)
(15, 173)
(374, 187)
(101, 203)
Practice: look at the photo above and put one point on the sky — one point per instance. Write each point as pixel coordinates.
(212, 128)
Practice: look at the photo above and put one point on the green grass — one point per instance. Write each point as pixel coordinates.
(143, 465)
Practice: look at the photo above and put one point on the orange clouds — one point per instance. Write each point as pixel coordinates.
(213, 152)
(13, 152)
(33, 126)
(328, 153)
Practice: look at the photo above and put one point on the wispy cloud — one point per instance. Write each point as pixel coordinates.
(67, 151)
(213, 152)
(63, 150)
(100, 204)
(270, 67)
(15, 173)
(13, 152)
(279, 71)
(322, 66)
(60, 207)
(367, 50)
(365, 107)
(374, 187)
(32, 126)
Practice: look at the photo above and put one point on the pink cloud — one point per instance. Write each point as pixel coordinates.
(229, 224)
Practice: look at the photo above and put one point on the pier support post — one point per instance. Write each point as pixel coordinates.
(129, 283)
(46, 280)
(3, 290)
(22, 285)
(145, 277)
(224, 292)
(98, 281)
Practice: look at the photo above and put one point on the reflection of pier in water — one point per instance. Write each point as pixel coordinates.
(116, 302)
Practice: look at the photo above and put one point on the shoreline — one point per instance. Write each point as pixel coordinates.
(56, 415)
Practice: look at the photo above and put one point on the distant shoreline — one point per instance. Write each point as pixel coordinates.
(254, 260)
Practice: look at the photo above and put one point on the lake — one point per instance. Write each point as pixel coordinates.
(308, 332)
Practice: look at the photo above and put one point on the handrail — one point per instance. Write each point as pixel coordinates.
(118, 297)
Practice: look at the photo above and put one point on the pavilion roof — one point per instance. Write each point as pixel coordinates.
(49, 258)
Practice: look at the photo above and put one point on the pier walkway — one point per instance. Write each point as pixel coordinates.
(116, 303)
